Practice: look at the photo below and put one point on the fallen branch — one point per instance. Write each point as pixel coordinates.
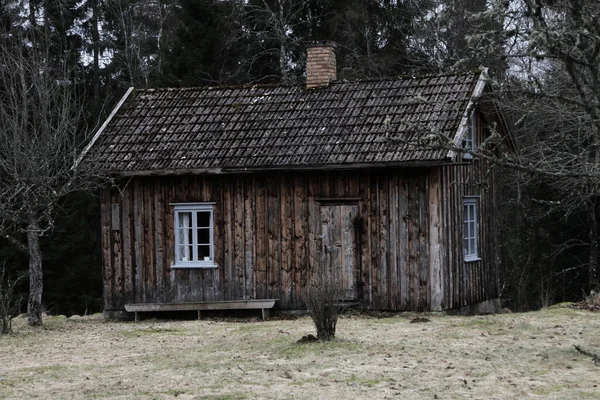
(595, 357)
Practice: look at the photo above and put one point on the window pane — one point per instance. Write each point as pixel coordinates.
(203, 251)
(472, 229)
(203, 236)
(466, 230)
(466, 245)
(185, 219)
(185, 236)
(203, 219)
(184, 253)
(472, 213)
(472, 247)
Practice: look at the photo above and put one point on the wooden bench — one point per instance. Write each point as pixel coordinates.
(263, 304)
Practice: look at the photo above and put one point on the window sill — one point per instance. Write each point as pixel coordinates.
(472, 259)
(204, 265)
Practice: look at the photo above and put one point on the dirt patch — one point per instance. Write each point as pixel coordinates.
(483, 357)
(419, 320)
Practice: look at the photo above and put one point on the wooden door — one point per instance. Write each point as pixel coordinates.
(339, 245)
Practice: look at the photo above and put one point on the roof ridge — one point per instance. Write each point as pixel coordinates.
(406, 77)
(286, 85)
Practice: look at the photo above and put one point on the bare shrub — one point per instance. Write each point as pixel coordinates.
(590, 302)
(9, 305)
(323, 297)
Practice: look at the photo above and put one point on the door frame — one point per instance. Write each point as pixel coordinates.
(358, 231)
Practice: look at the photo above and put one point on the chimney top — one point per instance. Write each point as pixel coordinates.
(321, 65)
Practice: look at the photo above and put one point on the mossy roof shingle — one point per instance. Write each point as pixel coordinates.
(266, 127)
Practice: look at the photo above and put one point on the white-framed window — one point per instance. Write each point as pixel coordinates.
(469, 139)
(194, 235)
(470, 228)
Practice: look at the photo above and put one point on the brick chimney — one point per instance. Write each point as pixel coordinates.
(320, 64)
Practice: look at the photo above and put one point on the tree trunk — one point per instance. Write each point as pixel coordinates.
(96, 65)
(282, 39)
(36, 285)
(594, 247)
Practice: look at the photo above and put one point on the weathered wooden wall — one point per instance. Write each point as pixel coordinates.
(267, 243)
(464, 282)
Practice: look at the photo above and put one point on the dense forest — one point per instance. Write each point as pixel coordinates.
(543, 57)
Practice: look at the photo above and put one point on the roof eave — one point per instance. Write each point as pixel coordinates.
(103, 127)
(482, 81)
(307, 168)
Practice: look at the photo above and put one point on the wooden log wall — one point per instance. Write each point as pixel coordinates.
(267, 244)
(470, 282)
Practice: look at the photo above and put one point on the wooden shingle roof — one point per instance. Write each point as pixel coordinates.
(347, 124)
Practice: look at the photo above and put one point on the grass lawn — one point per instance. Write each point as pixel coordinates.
(507, 356)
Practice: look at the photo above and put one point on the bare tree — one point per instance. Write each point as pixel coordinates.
(272, 26)
(41, 125)
(554, 53)
(138, 35)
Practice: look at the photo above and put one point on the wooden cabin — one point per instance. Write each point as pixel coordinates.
(236, 194)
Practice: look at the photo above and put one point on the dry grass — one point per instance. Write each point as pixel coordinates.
(503, 356)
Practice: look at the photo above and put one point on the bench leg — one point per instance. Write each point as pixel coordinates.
(265, 313)
(199, 315)
(136, 317)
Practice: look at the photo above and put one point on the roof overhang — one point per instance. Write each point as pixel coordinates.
(103, 127)
(233, 171)
(464, 125)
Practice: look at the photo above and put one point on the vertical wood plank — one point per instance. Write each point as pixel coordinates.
(249, 211)
(394, 245)
(286, 258)
(138, 243)
(404, 243)
(423, 239)
(159, 238)
(373, 219)
(300, 260)
(218, 274)
(238, 241)
(273, 238)
(349, 251)
(314, 228)
(117, 251)
(261, 239)
(128, 278)
(228, 240)
(446, 240)
(169, 239)
(436, 272)
(458, 233)
(364, 281)
(149, 269)
(413, 240)
(107, 277)
(384, 243)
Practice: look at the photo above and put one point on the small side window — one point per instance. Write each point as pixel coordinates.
(194, 235)
(470, 228)
(469, 139)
